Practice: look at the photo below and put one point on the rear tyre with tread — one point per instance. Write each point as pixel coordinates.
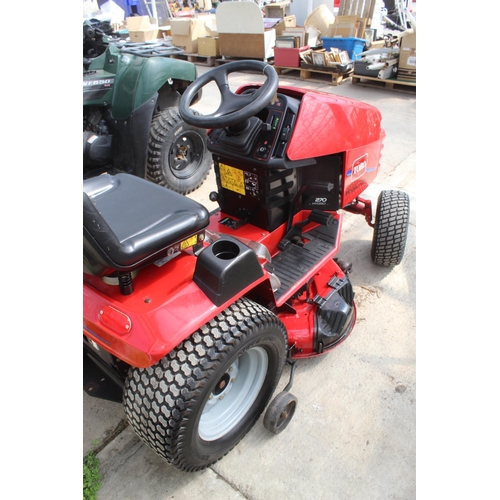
(201, 399)
(177, 157)
(391, 228)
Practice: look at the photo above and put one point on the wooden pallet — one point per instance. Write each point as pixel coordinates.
(197, 59)
(391, 84)
(224, 59)
(315, 75)
(407, 75)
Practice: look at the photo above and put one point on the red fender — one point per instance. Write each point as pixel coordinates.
(165, 308)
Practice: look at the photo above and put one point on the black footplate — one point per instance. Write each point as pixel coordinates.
(294, 262)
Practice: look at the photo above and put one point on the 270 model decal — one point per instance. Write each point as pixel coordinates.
(320, 201)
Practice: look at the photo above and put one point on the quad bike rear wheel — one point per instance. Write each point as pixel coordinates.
(391, 228)
(198, 402)
(177, 153)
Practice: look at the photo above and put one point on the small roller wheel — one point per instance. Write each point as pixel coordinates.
(280, 412)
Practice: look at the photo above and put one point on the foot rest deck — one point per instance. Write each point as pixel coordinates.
(293, 264)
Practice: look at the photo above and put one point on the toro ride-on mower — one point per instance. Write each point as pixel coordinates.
(131, 122)
(195, 314)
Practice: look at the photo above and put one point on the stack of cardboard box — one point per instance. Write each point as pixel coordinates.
(186, 31)
(142, 28)
(407, 67)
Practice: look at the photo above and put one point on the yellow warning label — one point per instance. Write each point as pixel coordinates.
(232, 178)
(189, 242)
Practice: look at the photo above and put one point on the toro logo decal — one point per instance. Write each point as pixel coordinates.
(359, 167)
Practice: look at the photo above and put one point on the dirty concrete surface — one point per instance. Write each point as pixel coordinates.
(353, 435)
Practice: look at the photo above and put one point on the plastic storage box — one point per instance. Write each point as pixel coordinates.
(353, 46)
(289, 58)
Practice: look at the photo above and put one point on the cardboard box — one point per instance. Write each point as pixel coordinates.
(241, 31)
(208, 46)
(289, 58)
(186, 31)
(90, 7)
(251, 45)
(278, 9)
(408, 51)
(142, 28)
(283, 24)
(137, 23)
(164, 31)
(143, 35)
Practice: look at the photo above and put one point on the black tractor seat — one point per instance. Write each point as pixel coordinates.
(129, 222)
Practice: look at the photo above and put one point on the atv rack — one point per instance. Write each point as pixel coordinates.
(150, 49)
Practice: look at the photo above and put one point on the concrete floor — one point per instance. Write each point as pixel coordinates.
(353, 435)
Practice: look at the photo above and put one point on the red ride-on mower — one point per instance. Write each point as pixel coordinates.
(195, 314)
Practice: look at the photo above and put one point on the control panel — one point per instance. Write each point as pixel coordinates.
(278, 119)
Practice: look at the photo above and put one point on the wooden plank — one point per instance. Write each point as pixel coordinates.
(284, 70)
(328, 69)
(359, 8)
(370, 12)
(196, 59)
(391, 84)
(201, 60)
(315, 75)
(305, 74)
(343, 7)
(224, 59)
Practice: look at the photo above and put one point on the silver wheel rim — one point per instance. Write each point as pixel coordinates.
(234, 394)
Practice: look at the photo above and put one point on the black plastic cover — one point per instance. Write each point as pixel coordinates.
(225, 268)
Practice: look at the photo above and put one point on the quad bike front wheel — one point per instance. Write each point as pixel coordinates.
(198, 402)
(178, 157)
(391, 228)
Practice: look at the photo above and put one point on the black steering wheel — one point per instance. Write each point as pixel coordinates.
(234, 108)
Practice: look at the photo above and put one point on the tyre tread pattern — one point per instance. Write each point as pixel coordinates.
(162, 125)
(391, 228)
(158, 400)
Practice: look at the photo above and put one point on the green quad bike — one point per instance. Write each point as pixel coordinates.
(131, 123)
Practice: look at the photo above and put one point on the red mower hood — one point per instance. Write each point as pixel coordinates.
(329, 124)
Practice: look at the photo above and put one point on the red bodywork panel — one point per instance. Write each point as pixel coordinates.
(167, 306)
(328, 124)
(334, 125)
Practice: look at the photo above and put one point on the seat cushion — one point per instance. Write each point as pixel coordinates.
(128, 220)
